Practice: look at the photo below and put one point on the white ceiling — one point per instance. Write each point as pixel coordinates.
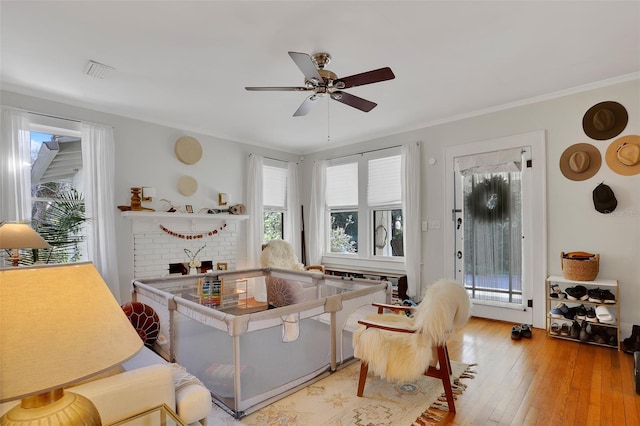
(185, 64)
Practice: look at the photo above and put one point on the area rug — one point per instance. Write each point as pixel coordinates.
(333, 401)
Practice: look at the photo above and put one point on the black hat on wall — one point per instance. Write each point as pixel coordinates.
(604, 200)
(605, 120)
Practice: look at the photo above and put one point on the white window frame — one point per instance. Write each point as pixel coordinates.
(266, 208)
(364, 258)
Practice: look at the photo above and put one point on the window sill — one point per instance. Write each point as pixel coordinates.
(365, 265)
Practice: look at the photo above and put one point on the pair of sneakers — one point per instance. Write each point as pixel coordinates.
(578, 292)
(598, 295)
(520, 331)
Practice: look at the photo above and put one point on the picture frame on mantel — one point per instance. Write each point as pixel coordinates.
(221, 266)
(189, 208)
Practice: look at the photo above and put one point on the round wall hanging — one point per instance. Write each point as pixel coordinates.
(187, 185)
(188, 150)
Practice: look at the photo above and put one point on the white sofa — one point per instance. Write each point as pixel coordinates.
(143, 382)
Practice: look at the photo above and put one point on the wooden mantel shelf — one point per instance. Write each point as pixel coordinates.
(148, 215)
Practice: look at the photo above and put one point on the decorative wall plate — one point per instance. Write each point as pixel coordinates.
(188, 150)
(187, 185)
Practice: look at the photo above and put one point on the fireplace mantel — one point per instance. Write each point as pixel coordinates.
(162, 238)
(149, 215)
(148, 221)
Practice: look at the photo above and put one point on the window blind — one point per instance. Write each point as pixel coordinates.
(342, 185)
(274, 187)
(385, 181)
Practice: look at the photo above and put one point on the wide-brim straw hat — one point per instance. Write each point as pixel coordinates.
(580, 161)
(623, 155)
(605, 120)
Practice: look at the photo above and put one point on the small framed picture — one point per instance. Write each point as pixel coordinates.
(189, 208)
(220, 266)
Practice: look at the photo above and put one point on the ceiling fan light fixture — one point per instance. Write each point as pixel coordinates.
(97, 70)
(323, 82)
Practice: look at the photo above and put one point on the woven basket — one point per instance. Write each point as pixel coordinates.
(580, 269)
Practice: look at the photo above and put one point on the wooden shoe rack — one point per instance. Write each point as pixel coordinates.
(563, 283)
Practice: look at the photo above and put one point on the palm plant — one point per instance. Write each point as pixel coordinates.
(60, 221)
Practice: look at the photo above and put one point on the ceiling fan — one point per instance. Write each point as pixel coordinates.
(323, 82)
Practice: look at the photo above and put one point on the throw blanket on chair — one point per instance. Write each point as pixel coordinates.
(403, 357)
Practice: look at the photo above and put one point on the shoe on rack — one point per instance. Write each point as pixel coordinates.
(555, 329)
(599, 338)
(581, 313)
(571, 313)
(575, 330)
(591, 314)
(608, 297)
(564, 329)
(578, 292)
(595, 295)
(583, 291)
(585, 335)
(556, 292)
(559, 310)
(604, 315)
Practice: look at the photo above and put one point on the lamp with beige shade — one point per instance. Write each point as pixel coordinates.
(16, 236)
(59, 324)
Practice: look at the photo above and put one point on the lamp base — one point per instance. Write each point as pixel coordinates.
(66, 408)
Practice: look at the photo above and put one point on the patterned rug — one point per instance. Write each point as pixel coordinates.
(333, 401)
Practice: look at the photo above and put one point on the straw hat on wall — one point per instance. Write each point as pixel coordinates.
(623, 155)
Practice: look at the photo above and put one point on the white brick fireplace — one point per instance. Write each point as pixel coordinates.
(161, 238)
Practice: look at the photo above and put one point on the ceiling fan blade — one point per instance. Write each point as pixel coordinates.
(306, 65)
(353, 101)
(306, 106)
(368, 77)
(284, 89)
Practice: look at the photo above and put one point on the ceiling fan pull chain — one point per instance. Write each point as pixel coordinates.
(328, 122)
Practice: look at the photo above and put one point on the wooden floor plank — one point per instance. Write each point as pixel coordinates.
(541, 380)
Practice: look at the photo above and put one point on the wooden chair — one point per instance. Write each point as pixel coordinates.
(446, 306)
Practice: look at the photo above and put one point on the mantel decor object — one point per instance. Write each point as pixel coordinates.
(136, 200)
(187, 185)
(188, 150)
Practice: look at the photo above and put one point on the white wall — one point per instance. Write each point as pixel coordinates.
(573, 223)
(144, 156)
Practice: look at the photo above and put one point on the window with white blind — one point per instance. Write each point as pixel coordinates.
(364, 203)
(384, 198)
(342, 202)
(274, 200)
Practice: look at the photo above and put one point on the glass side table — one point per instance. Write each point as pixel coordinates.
(161, 415)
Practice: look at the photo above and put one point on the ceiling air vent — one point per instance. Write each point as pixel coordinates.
(97, 70)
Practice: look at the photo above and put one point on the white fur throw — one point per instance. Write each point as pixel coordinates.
(403, 357)
(280, 254)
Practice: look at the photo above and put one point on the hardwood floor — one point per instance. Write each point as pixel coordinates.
(541, 381)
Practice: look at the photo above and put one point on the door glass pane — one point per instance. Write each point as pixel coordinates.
(493, 236)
